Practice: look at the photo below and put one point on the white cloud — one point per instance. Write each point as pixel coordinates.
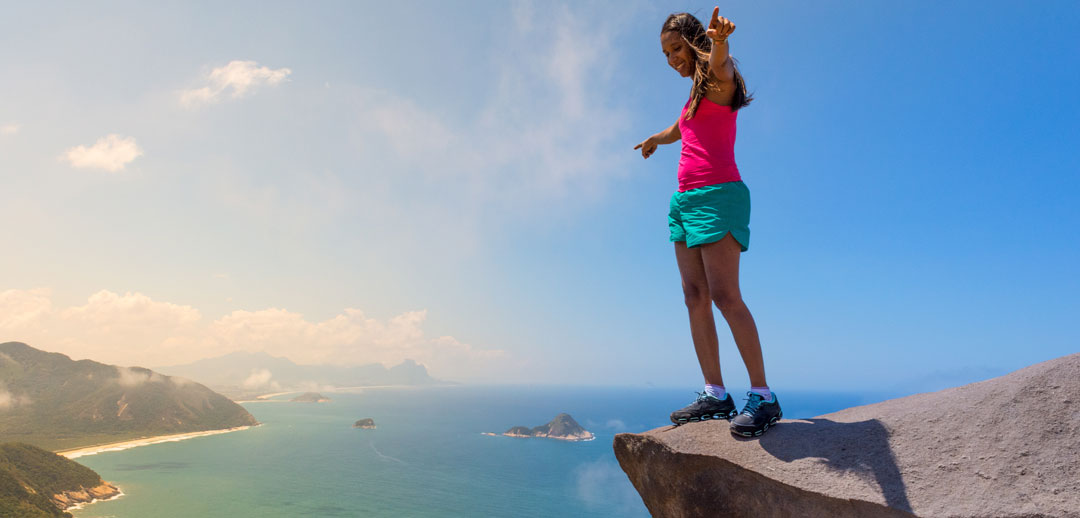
(348, 338)
(9, 129)
(111, 153)
(134, 329)
(180, 381)
(9, 400)
(541, 137)
(107, 311)
(127, 329)
(258, 379)
(546, 129)
(128, 377)
(19, 308)
(234, 80)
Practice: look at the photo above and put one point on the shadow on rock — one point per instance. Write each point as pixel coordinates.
(862, 448)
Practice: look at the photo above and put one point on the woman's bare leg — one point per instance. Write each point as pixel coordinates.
(699, 305)
(721, 264)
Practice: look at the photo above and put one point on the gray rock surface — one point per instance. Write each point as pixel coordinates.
(1005, 447)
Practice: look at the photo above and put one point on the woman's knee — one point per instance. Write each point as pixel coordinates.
(695, 295)
(727, 301)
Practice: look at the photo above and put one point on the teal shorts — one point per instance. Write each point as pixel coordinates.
(705, 215)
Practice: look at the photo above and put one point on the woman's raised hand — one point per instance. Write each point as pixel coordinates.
(647, 147)
(719, 27)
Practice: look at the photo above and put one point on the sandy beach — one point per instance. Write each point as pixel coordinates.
(134, 443)
(266, 398)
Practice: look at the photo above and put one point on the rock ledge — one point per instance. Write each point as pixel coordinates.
(1005, 447)
(68, 499)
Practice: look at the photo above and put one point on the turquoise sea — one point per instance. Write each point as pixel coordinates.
(428, 456)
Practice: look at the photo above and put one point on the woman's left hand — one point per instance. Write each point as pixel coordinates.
(647, 147)
(719, 27)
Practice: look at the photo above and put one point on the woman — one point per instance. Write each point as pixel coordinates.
(709, 217)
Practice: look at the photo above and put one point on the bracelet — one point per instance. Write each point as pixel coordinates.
(718, 42)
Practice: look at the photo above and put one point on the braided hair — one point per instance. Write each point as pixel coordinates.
(691, 30)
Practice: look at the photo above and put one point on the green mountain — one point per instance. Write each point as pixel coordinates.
(48, 400)
(35, 483)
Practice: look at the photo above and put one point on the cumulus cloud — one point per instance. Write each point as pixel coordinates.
(124, 329)
(110, 153)
(234, 80)
(19, 308)
(134, 329)
(9, 400)
(347, 338)
(9, 129)
(259, 378)
(107, 310)
(180, 381)
(128, 377)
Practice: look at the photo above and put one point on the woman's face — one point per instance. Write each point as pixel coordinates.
(679, 54)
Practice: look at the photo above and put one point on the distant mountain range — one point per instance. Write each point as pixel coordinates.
(51, 401)
(242, 374)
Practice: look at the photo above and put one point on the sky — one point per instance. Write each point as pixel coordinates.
(454, 183)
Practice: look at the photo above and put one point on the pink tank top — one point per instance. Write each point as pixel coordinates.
(708, 146)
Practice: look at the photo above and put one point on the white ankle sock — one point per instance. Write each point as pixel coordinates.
(716, 391)
(764, 392)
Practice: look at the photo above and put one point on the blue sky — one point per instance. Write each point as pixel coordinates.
(457, 184)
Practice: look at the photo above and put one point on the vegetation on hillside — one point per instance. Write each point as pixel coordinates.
(30, 476)
(52, 400)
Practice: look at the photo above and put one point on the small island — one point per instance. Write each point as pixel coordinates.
(563, 427)
(310, 397)
(366, 424)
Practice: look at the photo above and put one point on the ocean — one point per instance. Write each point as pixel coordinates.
(427, 457)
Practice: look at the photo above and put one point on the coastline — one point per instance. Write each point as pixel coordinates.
(267, 398)
(587, 438)
(107, 490)
(145, 441)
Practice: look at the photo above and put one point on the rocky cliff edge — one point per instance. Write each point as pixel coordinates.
(1005, 447)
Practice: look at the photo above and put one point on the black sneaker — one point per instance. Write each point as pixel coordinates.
(757, 416)
(704, 408)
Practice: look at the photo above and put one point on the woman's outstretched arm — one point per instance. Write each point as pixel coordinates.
(668, 136)
(720, 57)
